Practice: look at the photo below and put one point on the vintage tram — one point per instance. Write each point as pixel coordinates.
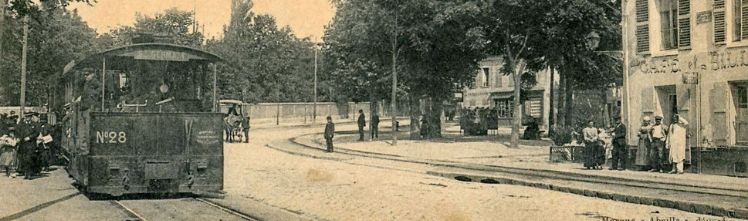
(142, 118)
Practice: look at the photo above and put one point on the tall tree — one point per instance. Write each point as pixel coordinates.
(437, 43)
(538, 34)
(265, 63)
(56, 37)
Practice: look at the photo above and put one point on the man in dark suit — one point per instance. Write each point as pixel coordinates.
(245, 123)
(329, 133)
(620, 149)
(27, 133)
(374, 126)
(361, 124)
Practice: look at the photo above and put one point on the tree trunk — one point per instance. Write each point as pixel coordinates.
(517, 119)
(434, 113)
(415, 113)
(569, 106)
(373, 109)
(604, 106)
(561, 117)
(552, 111)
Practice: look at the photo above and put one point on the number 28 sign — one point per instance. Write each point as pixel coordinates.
(111, 137)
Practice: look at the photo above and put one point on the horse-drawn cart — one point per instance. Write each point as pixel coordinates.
(236, 121)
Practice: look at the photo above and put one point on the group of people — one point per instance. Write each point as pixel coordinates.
(361, 123)
(659, 145)
(26, 145)
(596, 140)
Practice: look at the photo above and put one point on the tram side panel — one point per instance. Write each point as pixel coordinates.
(154, 152)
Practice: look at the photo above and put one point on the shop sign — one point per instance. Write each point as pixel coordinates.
(671, 64)
(704, 17)
(728, 59)
(690, 77)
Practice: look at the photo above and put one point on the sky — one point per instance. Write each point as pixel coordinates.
(307, 18)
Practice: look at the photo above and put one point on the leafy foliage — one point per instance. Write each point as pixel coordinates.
(172, 23)
(55, 38)
(265, 63)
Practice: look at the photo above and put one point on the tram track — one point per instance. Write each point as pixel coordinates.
(178, 209)
(725, 201)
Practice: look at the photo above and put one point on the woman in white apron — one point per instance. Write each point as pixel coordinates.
(676, 143)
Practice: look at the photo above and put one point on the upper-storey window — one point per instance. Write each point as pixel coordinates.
(669, 23)
(485, 77)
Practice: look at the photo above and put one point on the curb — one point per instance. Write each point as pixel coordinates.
(679, 205)
(486, 168)
(684, 206)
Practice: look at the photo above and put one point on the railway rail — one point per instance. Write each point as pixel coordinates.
(690, 197)
(178, 209)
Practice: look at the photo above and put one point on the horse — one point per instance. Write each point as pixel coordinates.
(232, 126)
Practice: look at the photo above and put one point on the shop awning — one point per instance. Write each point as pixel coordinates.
(501, 95)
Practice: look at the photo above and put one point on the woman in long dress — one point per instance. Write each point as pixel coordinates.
(7, 152)
(591, 146)
(676, 143)
(645, 139)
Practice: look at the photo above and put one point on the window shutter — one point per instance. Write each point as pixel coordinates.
(642, 25)
(719, 21)
(718, 101)
(684, 97)
(684, 23)
(499, 77)
(510, 80)
(647, 100)
(743, 19)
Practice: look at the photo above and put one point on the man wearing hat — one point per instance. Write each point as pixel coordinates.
(657, 146)
(620, 149)
(27, 133)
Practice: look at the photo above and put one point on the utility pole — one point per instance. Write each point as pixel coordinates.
(2, 25)
(393, 103)
(314, 109)
(24, 53)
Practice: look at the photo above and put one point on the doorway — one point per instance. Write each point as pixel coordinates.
(668, 102)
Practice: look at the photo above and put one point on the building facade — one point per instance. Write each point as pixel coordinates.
(494, 89)
(690, 58)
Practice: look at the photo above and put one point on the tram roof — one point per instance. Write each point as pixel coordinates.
(125, 55)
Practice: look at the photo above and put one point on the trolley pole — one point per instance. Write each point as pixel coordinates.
(24, 53)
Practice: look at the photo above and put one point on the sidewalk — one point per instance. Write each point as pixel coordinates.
(729, 195)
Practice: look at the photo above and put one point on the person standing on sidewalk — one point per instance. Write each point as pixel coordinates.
(590, 141)
(645, 141)
(329, 133)
(245, 123)
(657, 147)
(676, 143)
(620, 149)
(374, 126)
(7, 151)
(361, 124)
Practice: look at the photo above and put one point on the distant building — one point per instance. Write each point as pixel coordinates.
(494, 89)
